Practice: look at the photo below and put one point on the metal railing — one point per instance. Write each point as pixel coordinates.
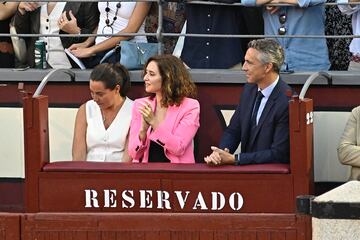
(159, 34)
(310, 79)
(47, 77)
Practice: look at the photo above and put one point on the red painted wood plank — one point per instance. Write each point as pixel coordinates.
(9, 226)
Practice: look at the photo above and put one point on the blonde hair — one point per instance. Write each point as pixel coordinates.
(270, 52)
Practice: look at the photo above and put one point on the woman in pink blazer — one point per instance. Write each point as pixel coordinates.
(164, 124)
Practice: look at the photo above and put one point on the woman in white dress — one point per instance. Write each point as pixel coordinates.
(102, 124)
(115, 18)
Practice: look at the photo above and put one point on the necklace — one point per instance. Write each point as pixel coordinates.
(107, 20)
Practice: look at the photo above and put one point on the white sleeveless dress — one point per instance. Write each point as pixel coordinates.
(106, 145)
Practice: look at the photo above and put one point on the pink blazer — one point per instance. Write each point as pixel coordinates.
(174, 134)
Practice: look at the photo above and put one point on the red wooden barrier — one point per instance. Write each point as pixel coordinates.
(165, 201)
(157, 226)
(9, 226)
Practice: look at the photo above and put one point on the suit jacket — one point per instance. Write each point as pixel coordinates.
(174, 134)
(349, 146)
(269, 142)
(87, 16)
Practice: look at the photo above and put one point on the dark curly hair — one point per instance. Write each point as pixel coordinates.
(176, 81)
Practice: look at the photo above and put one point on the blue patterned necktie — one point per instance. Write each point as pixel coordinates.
(259, 96)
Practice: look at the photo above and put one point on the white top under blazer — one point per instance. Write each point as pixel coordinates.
(106, 145)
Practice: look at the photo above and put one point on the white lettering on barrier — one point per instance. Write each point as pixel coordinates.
(109, 198)
(180, 198)
(218, 199)
(90, 199)
(145, 201)
(200, 202)
(128, 199)
(214, 197)
(240, 201)
(163, 199)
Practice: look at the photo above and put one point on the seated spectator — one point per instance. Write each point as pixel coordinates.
(7, 10)
(102, 124)
(337, 24)
(306, 17)
(219, 53)
(55, 18)
(349, 146)
(261, 120)
(164, 124)
(115, 18)
(355, 43)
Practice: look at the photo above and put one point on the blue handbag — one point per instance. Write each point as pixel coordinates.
(134, 55)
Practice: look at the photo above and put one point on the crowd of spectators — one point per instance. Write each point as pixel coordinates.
(254, 17)
(55, 18)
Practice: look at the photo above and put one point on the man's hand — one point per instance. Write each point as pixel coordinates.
(220, 157)
(213, 159)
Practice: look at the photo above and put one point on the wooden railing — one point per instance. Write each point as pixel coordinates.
(165, 201)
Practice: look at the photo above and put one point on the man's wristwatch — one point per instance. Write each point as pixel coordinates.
(237, 159)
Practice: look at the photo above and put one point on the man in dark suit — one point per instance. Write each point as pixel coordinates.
(261, 120)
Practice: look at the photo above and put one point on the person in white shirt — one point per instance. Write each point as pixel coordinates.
(102, 124)
(55, 18)
(353, 10)
(115, 18)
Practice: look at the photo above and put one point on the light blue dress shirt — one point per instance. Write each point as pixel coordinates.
(266, 92)
(301, 54)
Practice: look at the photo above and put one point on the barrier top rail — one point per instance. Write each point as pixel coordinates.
(159, 33)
